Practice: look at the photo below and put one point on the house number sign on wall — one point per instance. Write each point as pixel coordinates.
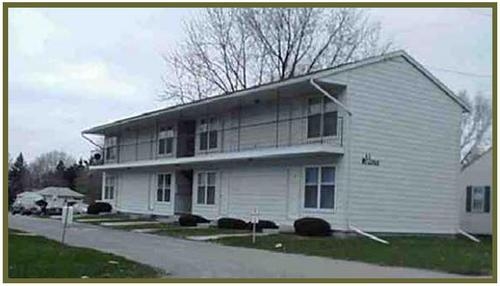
(368, 160)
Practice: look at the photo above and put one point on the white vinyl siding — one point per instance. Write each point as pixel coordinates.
(479, 173)
(412, 127)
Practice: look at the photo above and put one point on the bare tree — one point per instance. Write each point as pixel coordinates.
(476, 126)
(228, 49)
(47, 163)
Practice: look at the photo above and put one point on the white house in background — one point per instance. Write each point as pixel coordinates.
(475, 193)
(372, 144)
(56, 196)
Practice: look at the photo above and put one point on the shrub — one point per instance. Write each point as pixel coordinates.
(310, 226)
(191, 220)
(263, 224)
(231, 223)
(99, 207)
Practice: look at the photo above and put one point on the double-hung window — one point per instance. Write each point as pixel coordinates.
(164, 182)
(319, 191)
(208, 134)
(206, 188)
(109, 187)
(111, 148)
(322, 117)
(165, 140)
(477, 199)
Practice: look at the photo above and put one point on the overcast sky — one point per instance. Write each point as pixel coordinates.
(71, 69)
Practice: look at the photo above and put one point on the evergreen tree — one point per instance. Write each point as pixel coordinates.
(18, 178)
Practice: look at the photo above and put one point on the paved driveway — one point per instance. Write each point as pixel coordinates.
(183, 258)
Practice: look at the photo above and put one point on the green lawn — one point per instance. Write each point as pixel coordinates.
(179, 231)
(442, 254)
(38, 257)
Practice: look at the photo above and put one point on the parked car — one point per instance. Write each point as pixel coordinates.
(28, 203)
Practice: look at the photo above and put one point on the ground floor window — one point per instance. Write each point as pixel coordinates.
(319, 191)
(109, 187)
(206, 188)
(164, 186)
(477, 199)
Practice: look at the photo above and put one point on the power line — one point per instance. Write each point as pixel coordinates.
(461, 72)
(478, 13)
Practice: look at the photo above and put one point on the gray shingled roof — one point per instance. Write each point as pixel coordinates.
(60, 192)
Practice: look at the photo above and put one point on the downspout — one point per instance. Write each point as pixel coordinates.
(313, 83)
(91, 141)
(468, 235)
(370, 236)
(348, 141)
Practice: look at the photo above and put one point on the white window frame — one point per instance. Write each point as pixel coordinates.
(209, 127)
(318, 190)
(110, 195)
(111, 142)
(321, 121)
(205, 191)
(481, 189)
(163, 188)
(169, 132)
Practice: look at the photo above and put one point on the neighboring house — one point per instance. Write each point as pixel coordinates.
(372, 144)
(56, 196)
(475, 193)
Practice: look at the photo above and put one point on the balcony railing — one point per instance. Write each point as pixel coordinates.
(231, 137)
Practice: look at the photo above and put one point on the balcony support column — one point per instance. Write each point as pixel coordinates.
(277, 116)
(137, 144)
(239, 124)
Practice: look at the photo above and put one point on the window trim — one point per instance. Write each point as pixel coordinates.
(105, 194)
(318, 208)
(108, 145)
(165, 137)
(483, 199)
(321, 122)
(163, 188)
(209, 128)
(196, 186)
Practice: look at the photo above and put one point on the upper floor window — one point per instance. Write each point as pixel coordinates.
(165, 140)
(208, 133)
(109, 187)
(164, 186)
(477, 199)
(319, 188)
(321, 117)
(111, 148)
(206, 188)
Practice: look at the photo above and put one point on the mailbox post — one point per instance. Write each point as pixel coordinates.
(255, 221)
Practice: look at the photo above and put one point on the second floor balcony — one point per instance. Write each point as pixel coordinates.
(275, 123)
(213, 139)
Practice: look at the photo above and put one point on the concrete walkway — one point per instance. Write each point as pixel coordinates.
(183, 258)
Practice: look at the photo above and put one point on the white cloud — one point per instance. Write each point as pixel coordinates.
(93, 79)
(30, 30)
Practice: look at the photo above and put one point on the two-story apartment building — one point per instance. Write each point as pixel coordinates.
(372, 144)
